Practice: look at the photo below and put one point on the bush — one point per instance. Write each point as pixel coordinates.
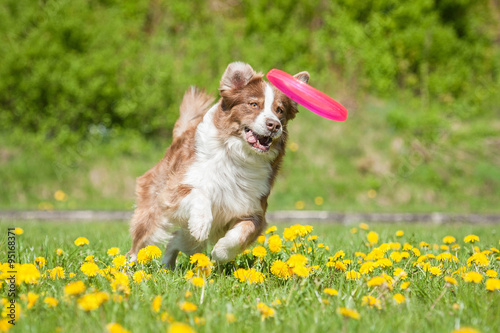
(69, 66)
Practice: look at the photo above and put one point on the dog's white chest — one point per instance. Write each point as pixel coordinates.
(233, 188)
(232, 181)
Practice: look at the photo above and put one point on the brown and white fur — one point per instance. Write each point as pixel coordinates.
(215, 178)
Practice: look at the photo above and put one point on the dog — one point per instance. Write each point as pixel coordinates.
(213, 183)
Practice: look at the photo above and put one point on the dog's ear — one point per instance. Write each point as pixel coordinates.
(236, 76)
(302, 76)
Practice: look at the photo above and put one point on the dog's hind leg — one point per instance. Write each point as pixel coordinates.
(146, 229)
(238, 238)
(182, 241)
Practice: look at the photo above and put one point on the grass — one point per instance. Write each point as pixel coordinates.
(430, 303)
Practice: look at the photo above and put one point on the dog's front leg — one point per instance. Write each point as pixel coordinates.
(200, 215)
(238, 238)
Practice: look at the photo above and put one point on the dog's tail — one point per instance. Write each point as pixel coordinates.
(195, 104)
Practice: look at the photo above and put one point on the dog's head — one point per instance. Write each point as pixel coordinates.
(253, 110)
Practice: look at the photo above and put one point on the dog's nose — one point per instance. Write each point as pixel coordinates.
(273, 125)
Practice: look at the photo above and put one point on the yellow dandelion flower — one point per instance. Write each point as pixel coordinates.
(407, 246)
(352, 275)
(491, 273)
(92, 301)
(280, 269)
(40, 261)
(348, 313)
(296, 260)
(89, 268)
(416, 251)
(367, 267)
(423, 245)
(140, 276)
(60, 196)
(300, 205)
(405, 285)
(330, 291)
(318, 201)
(275, 243)
(113, 251)
(276, 302)
(198, 281)
(188, 307)
(259, 251)
(178, 327)
(249, 275)
(339, 265)
(450, 280)
(57, 273)
(116, 328)
(271, 229)
(338, 255)
(265, 311)
(89, 258)
(74, 288)
(384, 262)
(375, 254)
(398, 298)
(230, 318)
(354, 230)
(59, 252)
(399, 272)
(201, 260)
(293, 146)
(31, 298)
(372, 237)
(80, 241)
(300, 270)
(120, 282)
(493, 284)
(51, 301)
(371, 302)
(189, 275)
(145, 255)
(156, 304)
(119, 261)
(18, 231)
(479, 259)
(376, 281)
(471, 239)
(473, 277)
(188, 294)
(261, 239)
(396, 256)
(27, 273)
(465, 330)
(436, 271)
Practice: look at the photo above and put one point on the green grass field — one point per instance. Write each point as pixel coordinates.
(294, 303)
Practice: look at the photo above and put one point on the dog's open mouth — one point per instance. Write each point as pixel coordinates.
(260, 142)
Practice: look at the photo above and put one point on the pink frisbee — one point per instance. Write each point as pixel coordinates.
(307, 96)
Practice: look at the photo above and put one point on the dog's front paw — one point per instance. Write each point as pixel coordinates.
(199, 227)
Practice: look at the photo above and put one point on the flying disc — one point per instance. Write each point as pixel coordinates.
(307, 96)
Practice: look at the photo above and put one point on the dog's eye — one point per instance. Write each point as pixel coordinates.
(279, 111)
(254, 105)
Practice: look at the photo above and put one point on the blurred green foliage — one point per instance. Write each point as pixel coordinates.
(69, 66)
(76, 74)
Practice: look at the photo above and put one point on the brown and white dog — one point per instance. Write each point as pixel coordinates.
(215, 178)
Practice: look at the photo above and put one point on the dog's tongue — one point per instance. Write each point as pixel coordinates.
(250, 137)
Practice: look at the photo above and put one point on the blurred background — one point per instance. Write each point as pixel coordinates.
(90, 90)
